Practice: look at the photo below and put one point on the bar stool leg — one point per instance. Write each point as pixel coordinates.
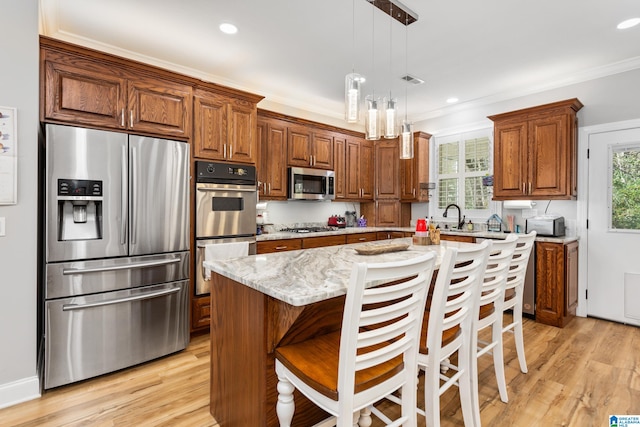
(364, 418)
(285, 406)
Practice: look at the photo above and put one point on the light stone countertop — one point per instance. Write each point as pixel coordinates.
(306, 276)
(353, 230)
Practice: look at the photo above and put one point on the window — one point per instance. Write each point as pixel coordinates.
(625, 188)
(463, 160)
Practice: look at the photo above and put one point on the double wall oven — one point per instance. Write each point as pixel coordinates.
(226, 197)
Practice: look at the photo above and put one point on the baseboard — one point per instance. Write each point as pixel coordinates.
(19, 391)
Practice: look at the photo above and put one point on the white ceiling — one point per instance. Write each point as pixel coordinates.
(297, 52)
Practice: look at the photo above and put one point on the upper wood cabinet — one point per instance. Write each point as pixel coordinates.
(414, 173)
(387, 158)
(81, 90)
(310, 147)
(224, 128)
(272, 165)
(354, 168)
(535, 152)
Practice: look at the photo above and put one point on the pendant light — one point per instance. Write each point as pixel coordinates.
(372, 117)
(406, 131)
(352, 82)
(390, 110)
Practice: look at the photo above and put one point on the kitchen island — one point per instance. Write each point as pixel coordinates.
(263, 301)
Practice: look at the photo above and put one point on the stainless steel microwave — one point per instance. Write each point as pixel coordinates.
(311, 184)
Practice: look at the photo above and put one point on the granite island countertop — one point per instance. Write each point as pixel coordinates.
(306, 276)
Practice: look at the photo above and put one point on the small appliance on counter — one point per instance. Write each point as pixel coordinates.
(350, 217)
(336, 221)
(546, 225)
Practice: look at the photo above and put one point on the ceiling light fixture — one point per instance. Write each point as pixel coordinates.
(372, 122)
(390, 110)
(406, 130)
(228, 28)
(352, 82)
(628, 23)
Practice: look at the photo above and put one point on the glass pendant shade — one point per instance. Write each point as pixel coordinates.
(352, 92)
(390, 118)
(373, 118)
(406, 140)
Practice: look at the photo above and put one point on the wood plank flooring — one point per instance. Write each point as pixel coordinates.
(578, 376)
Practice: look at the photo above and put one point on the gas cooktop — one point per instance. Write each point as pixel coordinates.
(308, 229)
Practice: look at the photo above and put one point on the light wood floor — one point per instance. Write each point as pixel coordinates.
(578, 376)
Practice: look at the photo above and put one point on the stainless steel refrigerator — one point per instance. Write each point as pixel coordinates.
(116, 253)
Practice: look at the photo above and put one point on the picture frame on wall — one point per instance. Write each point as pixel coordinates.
(8, 156)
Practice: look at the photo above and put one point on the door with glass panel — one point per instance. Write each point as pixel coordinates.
(613, 263)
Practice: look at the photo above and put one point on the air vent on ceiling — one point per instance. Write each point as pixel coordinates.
(412, 79)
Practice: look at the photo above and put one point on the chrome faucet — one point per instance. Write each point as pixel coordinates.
(460, 216)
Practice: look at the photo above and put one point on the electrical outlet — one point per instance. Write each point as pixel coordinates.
(2, 232)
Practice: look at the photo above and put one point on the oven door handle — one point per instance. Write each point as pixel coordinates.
(149, 295)
(248, 190)
(68, 271)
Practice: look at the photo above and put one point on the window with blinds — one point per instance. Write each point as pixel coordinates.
(463, 185)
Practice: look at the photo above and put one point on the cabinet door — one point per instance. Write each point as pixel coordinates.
(362, 237)
(272, 170)
(322, 241)
(322, 150)
(366, 172)
(159, 106)
(340, 153)
(242, 118)
(571, 278)
(270, 246)
(387, 158)
(298, 146)
(550, 283)
(510, 160)
(79, 91)
(549, 156)
(353, 164)
(387, 213)
(210, 126)
(408, 180)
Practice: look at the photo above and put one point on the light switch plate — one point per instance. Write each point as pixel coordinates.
(2, 232)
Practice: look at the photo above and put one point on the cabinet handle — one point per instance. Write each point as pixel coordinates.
(362, 239)
(414, 192)
(230, 150)
(279, 248)
(269, 187)
(529, 188)
(131, 119)
(122, 118)
(224, 151)
(524, 189)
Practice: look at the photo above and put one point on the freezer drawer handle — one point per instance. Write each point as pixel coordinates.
(71, 307)
(68, 271)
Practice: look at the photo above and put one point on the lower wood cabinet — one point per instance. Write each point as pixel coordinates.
(456, 238)
(386, 235)
(320, 241)
(270, 246)
(362, 237)
(200, 313)
(556, 282)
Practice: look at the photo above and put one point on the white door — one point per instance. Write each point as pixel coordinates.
(613, 259)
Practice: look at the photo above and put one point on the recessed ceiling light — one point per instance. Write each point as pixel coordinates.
(227, 28)
(628, 23)
(452, 100)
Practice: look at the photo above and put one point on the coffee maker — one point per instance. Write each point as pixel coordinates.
(350, 217)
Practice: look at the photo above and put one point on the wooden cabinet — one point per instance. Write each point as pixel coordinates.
(386, 235)
(272, 167)
(200, 312)
(556, 282)
(321, 241)
(387, 161)
(224, 128)
(281, 245)
(368, 236)
(457, 238)
(535, 152)
(308, 147)
(89, 91)
(354, 168)
(414, 173)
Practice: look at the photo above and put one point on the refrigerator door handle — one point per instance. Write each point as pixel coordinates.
(123, 197)
(134, 186)
(149, 295)
(69, 271)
